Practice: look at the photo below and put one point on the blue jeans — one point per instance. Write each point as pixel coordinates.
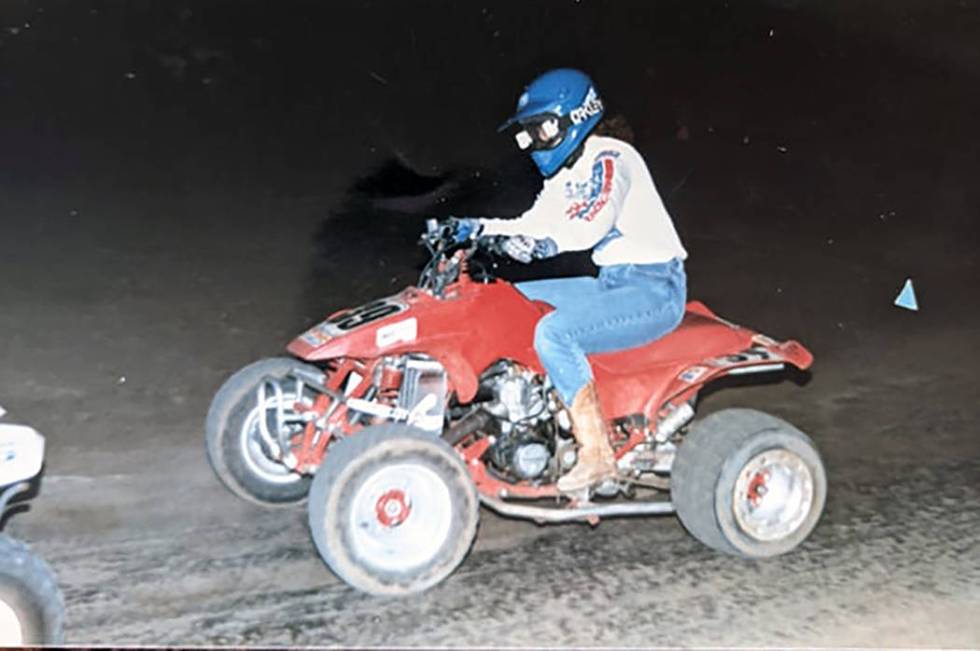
(627, 305)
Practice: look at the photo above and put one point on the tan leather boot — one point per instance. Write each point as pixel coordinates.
(595, 456)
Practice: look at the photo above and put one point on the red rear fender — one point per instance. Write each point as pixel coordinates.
(703, 348)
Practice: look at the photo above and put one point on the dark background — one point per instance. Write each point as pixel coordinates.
(843, 122)
(184, 186)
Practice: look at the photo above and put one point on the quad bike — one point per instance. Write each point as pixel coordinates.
(397, 419)
(31, 605)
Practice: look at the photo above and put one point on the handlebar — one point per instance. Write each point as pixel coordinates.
(449, 256)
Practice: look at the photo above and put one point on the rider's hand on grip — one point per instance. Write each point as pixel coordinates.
(462, 229)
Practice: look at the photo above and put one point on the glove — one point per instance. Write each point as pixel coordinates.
(464, 228)
(525, 248)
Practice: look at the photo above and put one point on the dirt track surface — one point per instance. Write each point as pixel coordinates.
(127, 296)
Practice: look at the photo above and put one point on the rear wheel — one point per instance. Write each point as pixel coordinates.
(32, 609)
(393, 510)
(240, 455)
(748, 483)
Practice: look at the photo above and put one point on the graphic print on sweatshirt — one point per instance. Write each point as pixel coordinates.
(590, 197)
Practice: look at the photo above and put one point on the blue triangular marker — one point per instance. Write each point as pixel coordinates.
(906, 297)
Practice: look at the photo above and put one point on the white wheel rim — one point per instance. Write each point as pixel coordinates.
(255, 457)
(773, 495)
(400, 517)
(11, 632)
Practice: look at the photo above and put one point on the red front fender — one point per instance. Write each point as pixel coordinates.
(468, 329)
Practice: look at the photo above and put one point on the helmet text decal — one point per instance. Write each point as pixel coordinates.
(592, 105)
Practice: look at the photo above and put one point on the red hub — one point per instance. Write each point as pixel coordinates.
(392, 508)
(757, 487)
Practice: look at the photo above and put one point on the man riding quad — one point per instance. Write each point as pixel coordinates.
(597, 194)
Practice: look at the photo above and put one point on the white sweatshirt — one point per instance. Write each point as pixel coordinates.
(606, 200)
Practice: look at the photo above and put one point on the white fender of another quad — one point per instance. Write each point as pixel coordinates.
(21, 453)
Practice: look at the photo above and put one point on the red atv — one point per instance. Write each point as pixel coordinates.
(397, 419)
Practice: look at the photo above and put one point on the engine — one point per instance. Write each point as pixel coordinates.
(524, 420)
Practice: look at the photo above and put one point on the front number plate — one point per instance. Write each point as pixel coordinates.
(342, 323)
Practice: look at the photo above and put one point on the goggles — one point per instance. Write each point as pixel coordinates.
(545, 131)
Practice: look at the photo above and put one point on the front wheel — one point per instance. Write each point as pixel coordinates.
(32, 610)
(240, 455)
(393, 510)
(747, 483)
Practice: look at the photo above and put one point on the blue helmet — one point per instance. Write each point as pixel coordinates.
(556, 112)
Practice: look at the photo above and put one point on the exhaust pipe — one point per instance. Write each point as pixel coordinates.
(591, 513)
